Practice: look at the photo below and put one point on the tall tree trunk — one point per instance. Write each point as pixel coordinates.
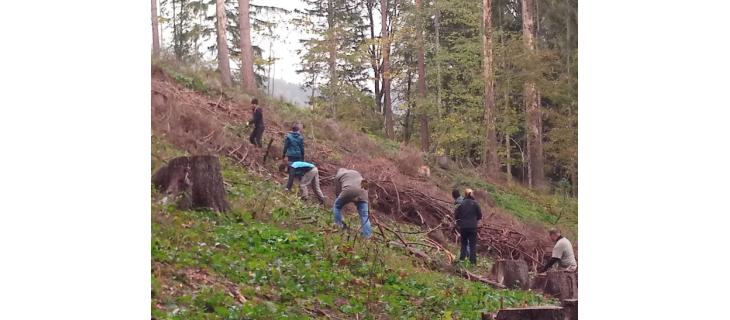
(509, 156)
(532, 105)
(437, 27)
(421, 85)
(223, 60)
(244, 23)
(374, 59)
(155, 31)
(385, 53)
(491, 161)
(407, 126)
(332, 56)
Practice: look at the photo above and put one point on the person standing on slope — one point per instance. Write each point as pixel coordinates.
(351, 187)
(562, 253)
(258, 123)
(468, 215)
(293, 151)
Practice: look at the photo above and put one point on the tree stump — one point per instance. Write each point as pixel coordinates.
(562, 284)
(570, 308)
(511, 273)
(195, 181)
(531, 313)
(537, 282)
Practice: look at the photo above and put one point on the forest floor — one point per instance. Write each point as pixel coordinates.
(202, 255)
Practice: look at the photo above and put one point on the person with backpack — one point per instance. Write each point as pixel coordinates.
(351, 187)
(293, 151)
(258, 123)
(468, 215)
(306, 174)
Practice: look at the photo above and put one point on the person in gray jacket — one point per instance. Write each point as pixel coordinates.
(351, 187)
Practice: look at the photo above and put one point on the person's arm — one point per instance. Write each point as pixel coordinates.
(338, 186)
(290, 180)
(302, 147)
(552, 261)
(479, 213)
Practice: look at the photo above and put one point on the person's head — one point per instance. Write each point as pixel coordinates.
(455, 193)
(469, 193)
(554, 234)
(255, 101)
(295, 127)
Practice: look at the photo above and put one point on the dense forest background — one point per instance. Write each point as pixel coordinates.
(489, 84)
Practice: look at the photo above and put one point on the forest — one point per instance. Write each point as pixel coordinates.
(489, 84)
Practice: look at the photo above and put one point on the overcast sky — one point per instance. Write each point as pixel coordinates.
(284, 48)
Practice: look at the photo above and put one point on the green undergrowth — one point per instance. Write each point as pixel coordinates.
(285, 258)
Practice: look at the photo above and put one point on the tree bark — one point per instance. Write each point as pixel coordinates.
(374, 59)
(332, 56)
(421, 85)
(512, 273)
(533, 113)
(155, 31)
(247, 77)
(437, 27)
(223, 60)
(195, 181)
(562, 284)
(532, 313)
(491, 161)
(385, 53)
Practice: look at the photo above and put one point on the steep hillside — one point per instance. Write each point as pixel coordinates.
(191, 114)
(275, 256)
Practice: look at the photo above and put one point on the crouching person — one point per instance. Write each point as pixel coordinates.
(563, 254)
(349, 187)
(307, 175)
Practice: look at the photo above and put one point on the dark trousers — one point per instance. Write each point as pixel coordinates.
(468, 244)
(256, 134)
(290, 180)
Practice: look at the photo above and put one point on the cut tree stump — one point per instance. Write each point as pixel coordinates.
(531, 313)
(570, 308)
(195, 182)
(537, 282)
(562, 284)
(511, 273)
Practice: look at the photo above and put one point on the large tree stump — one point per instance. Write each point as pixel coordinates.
(531, 313)
(570, 308)
(562, 284)
(537, 282)
(195, 182)
(511, 273)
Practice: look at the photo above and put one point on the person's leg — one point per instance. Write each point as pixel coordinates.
(260, 136)
(362, 209)
(473, 246)
(304, 191)
(337, 210)
(317, 188)
(464, 243)
(252, 137)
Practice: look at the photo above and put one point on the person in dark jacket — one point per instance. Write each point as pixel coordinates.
(258, 123)
(293, 151)
(468, 215)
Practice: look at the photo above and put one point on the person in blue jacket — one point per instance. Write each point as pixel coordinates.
(293, 148)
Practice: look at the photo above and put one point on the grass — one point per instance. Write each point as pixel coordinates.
(283, 256)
